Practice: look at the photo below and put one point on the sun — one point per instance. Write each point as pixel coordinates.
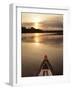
(36, 25)
(36, 21)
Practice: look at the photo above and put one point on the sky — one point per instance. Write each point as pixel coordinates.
(42, 21)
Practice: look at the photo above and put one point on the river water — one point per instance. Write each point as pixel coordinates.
(33, 48)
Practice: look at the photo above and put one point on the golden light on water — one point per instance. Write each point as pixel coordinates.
(36, 39)
(36, 34)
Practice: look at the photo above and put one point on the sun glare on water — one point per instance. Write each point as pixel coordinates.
(36, 39)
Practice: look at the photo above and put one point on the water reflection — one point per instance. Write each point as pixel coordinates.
(35, 45)
(38, 38)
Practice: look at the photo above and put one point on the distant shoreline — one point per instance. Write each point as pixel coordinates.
(33, 30)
